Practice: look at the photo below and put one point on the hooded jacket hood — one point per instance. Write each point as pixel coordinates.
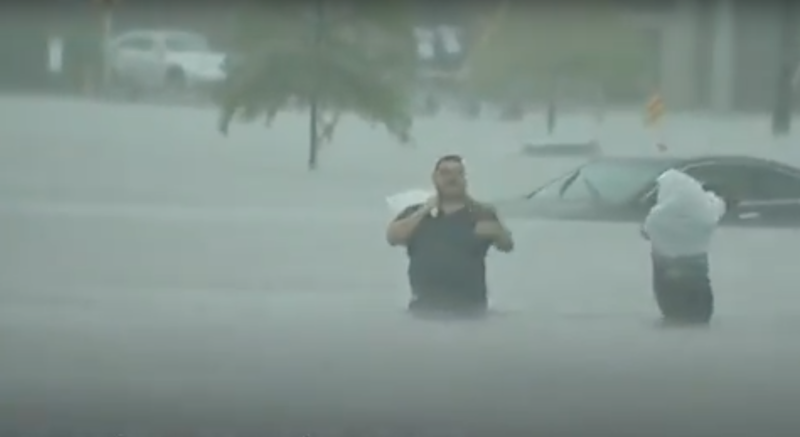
(684, 217)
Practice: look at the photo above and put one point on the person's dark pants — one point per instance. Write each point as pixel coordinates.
(450, 305)
(683, 289)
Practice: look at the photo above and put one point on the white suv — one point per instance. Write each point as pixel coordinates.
(164, 60)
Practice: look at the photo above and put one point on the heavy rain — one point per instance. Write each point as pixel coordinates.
(158, 275)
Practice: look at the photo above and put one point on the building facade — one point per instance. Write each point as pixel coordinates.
(722, 55)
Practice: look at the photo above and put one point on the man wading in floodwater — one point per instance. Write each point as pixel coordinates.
(680, 228)
(447, 240)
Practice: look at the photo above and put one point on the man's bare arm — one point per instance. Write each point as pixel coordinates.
(503, 242)
(501, 238)
(402, 228)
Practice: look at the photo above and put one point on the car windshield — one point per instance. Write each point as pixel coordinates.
(186, 43)
(609, 181)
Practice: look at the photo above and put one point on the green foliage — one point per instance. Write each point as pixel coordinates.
(530, 46)
(354, 57)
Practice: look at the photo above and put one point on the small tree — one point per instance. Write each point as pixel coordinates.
(327, 58)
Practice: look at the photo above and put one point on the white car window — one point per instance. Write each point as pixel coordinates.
(186, 43)
(614, 181)
(552, 190)
(136, 43)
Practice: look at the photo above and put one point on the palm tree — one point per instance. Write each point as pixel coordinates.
(330, 58)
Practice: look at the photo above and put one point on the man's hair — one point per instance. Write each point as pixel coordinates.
(448, 158)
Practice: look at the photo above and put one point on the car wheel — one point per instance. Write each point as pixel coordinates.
(176, 80)
(124, 87)
(472, 109)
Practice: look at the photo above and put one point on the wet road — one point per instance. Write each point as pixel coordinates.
(155, 276)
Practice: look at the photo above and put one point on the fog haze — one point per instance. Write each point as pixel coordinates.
(158, 278)
(149, 260)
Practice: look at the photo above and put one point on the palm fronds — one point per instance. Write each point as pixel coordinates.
(363, 63)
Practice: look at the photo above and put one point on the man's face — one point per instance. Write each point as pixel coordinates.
(449, 178)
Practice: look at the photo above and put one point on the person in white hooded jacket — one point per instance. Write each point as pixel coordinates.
(680, 228)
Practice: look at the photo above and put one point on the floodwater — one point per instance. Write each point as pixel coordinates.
(157, 276)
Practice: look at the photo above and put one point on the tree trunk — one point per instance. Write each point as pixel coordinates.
(313, 133)
(784, 90)
(107, 34)
(551, 119)
(313, 118)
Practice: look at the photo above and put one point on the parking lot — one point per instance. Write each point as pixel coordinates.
(145, 256)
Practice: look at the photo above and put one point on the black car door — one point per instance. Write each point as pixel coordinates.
(737, 181)
(777, 196)
(764, 195)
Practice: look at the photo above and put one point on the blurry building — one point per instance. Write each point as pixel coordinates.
(24, 34)
(718, 54)
(27, 30)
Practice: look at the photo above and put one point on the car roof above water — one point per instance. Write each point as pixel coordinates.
(654, 161)
(677, 161)
(158, 33)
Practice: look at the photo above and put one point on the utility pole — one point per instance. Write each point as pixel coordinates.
(108, 33)
(318, 22)
(98, 76)
(487, 31)
(551, 111)
(783, 109)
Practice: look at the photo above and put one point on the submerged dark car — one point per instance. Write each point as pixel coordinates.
(762, 192)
